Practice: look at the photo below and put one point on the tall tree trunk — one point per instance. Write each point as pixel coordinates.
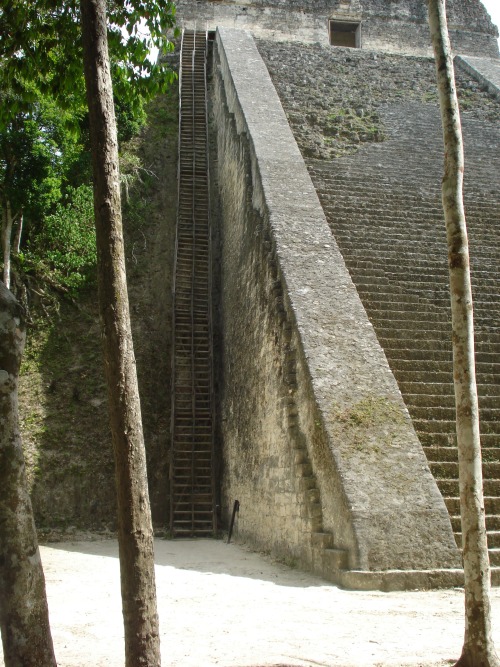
(478, 649)
(19, 232)
(6, 240)
(142, 642)
(24, 618)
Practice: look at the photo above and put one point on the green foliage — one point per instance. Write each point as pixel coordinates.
(35, 152)
(41, 52)
(345, 122)
(64, 250)
(129, 120)
(44, 144)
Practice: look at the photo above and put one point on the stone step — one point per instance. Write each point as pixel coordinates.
(335, 559)
(407, 274)
(488, 440)
(429, 400)
(344, 196)
(494, 555)
(444, 388)
(422, 376)
(334, 193)
(351, 224)
(386, 296)
(437, 426)
(449, 487)
(433, 388)
(378, 278)
(441, 353)
(413, 353)
(366, 266)
(367, 269)
(419, 307)
(432, 337)
(433, 344)
(449, 469)
(493, 541)
(441, 377)
(417, 355)
(434, 365)
(436, 453)
(438, 413)
(346, 173)
(368, 182)
(362, 237)
(492, 523)
(396, 258)
(322, 540)
(407, 319)
(439, 349)
(491, 505)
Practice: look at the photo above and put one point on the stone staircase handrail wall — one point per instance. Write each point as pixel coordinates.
(383, 505)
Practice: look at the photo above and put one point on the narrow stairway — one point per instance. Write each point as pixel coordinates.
(192, 478)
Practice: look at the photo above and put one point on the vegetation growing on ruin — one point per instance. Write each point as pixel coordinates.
(63, 403)
(333, 97)
(363, 421)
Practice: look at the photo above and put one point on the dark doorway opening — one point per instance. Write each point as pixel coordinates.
(345, 33)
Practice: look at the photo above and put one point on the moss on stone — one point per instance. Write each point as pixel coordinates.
(369, 425)
(369, 412)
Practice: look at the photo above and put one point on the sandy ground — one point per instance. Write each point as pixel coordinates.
(223, 605)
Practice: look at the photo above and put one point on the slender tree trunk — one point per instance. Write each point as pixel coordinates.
(478, 649)
(142, 643)
(24, 618)
(19, 232)
(6, 240)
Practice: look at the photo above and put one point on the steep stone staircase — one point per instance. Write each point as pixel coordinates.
(192, 479)
(384, 208)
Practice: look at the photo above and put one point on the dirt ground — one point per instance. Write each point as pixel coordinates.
(224, 605)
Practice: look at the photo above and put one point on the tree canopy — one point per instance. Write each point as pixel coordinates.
(41, 52)
(44, 144)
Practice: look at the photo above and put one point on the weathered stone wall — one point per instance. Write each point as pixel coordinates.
(332, 97)
(265, 464)
(398, 27)
(369, 128)
(316, 435)
(484, 70)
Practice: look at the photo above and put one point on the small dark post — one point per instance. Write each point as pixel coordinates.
(236, 508)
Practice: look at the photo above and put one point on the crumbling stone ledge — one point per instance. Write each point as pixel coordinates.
(484, 70)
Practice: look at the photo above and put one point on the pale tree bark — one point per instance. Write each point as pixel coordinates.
(16, 246)
(142, 643)
(478, 649)
(24, 618)
(7, 222)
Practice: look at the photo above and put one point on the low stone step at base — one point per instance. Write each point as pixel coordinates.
(322, 540)
(399, 580)
(403, 580)
(334, 559)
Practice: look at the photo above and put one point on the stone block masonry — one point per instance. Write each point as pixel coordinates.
(382, 200)
(318, 446)
(484, 70)
(394, 27)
